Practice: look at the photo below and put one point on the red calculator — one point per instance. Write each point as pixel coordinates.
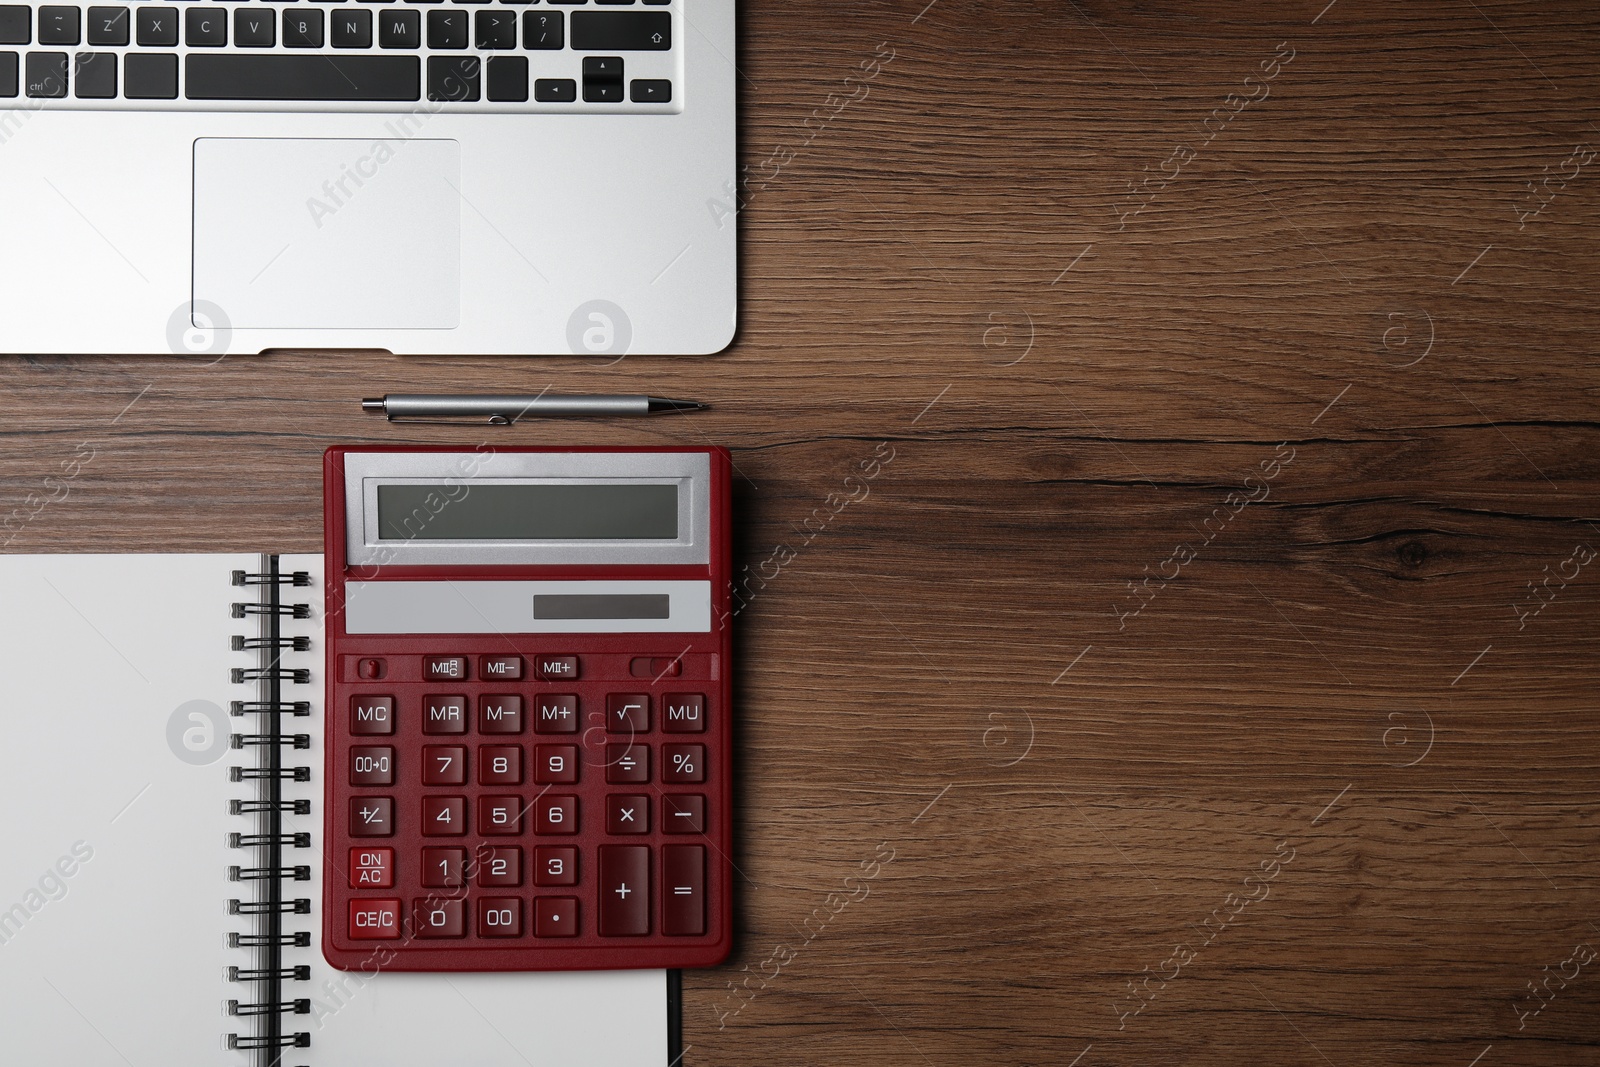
(528, 716)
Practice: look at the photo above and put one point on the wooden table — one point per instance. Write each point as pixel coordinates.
(1167, 448)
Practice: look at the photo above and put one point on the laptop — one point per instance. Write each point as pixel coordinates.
(514, 177)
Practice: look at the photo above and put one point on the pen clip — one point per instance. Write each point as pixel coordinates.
(454, 420)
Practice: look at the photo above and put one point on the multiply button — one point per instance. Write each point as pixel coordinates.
(627, 813)
(627, 713)
(555, 668)
(624, 890)
(374, 920)
(444, 668)
(507, 667)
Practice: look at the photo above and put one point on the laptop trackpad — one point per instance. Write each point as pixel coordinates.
(297, 234)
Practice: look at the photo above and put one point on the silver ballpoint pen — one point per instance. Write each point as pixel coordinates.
(502, 410)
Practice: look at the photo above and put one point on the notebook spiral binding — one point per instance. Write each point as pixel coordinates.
(269, 1003)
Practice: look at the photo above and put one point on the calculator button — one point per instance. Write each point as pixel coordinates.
(683, 813)
(444, 668)
(500, 715)
(556, 764)
(439, 918)
(444, 816)
(370, 670)
(555, 668)
(628, 713)
(499, 867)
(558, 714)
(683, 890)
(374, 920)
(500, 765)
(683, 713)
(371, 715)
(555, 917)
(506, 667)
(444, 868)
(371, 868)
(557, 815)
(555, 866)
(683, 764)
(444, 765)
(627, 762)
(627, 813)
(444, 715)
(624, 890)
(500, 816)
(371, 816)
(371, 765)
(500, 917)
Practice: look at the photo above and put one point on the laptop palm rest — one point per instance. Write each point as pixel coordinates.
(327, 234)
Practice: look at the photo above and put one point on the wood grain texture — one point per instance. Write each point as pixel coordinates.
(946, 670)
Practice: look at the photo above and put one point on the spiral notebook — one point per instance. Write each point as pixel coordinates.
(159, 884)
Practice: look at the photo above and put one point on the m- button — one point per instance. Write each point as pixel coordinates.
(507, 667)
(554, 668)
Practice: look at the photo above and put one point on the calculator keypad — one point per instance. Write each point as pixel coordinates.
(537, 799)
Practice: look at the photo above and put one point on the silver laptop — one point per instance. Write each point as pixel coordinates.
(441, 178)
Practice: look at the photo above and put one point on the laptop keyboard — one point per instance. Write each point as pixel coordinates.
(446, 55)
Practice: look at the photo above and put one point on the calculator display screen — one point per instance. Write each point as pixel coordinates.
(528, 511)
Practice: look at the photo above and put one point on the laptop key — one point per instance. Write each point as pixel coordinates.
(150, 76)
(447, 29)
(650, 91)
(46, 75)
(255, 27)
(205, 27)
(58, 25)
(157, 27)
(302, 29)
(285, 76)
(453, 78)
(555, 90)
(16, 25)
(108, 25)
(352, 29)
(508, 78)
(496, 29)
(399, 29)
(95, 76)
(8, 74)
(621, 31)
(542, 29)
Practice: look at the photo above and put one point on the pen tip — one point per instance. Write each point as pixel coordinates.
(661, 404)
(372, 404)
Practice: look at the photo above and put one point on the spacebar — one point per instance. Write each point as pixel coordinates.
(307, 77)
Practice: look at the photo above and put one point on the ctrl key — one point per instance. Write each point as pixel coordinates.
(374, 920)
(47, 75)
